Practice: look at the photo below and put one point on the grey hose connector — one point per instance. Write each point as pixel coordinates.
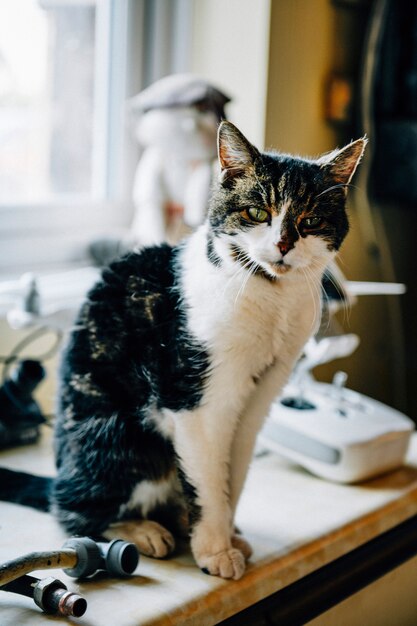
(79, 557)
(118, 558)
(121, 558)
(89, 559)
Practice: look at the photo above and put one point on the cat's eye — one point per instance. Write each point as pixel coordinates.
(312, 222)
(258, 215)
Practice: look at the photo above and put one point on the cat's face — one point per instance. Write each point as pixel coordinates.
(274, 213)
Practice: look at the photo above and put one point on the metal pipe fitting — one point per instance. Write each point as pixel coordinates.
(52, 596)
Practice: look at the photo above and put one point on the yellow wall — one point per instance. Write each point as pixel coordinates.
(230, 49)
(300, 57)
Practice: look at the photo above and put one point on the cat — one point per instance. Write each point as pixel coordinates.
(178, 352)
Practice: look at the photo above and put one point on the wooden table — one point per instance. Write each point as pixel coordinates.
(298, 525)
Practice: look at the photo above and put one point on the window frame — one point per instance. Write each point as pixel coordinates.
(56, 231)
(135, 47)
(71, 220)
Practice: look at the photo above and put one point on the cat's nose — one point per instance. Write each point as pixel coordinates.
(284, 246)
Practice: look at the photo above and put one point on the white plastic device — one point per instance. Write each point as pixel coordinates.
(336, 433)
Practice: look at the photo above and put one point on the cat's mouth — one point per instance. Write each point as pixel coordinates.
(280, 267)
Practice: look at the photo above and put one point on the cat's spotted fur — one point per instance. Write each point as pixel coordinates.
(179, 352)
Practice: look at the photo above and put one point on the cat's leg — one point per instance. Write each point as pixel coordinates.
(76, 508)
(127, 489)
(203, 440)
(99, 516)
(250, 423)
(155, 513)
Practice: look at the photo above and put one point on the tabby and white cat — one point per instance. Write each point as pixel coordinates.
(178, 353)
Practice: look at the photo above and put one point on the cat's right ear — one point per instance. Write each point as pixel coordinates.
(236, 154)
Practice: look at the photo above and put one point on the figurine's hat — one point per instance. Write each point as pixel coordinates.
(179, 90)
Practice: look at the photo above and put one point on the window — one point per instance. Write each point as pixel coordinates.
(67, 153)
(62, 101)
(47, 54)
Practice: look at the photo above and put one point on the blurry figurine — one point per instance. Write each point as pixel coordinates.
(176, 120)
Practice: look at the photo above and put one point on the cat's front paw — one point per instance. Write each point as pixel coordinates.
(151, 538)
(227, 564)
(241, 544)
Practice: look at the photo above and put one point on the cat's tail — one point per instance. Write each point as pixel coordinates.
(25, 489)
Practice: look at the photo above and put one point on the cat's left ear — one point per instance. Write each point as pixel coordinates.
(236, 154)
(341, 164)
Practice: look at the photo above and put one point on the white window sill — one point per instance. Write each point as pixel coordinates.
(47, 237)
(61, 293)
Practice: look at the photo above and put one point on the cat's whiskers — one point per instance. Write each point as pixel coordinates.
(321, 292)
(262, 190)
(323, 298)
(307, 277)
(250, 267)
(239, 270)
(345, 302)
(339, 186)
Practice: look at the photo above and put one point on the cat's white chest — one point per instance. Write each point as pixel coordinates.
(268, 323)
(248, 324)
